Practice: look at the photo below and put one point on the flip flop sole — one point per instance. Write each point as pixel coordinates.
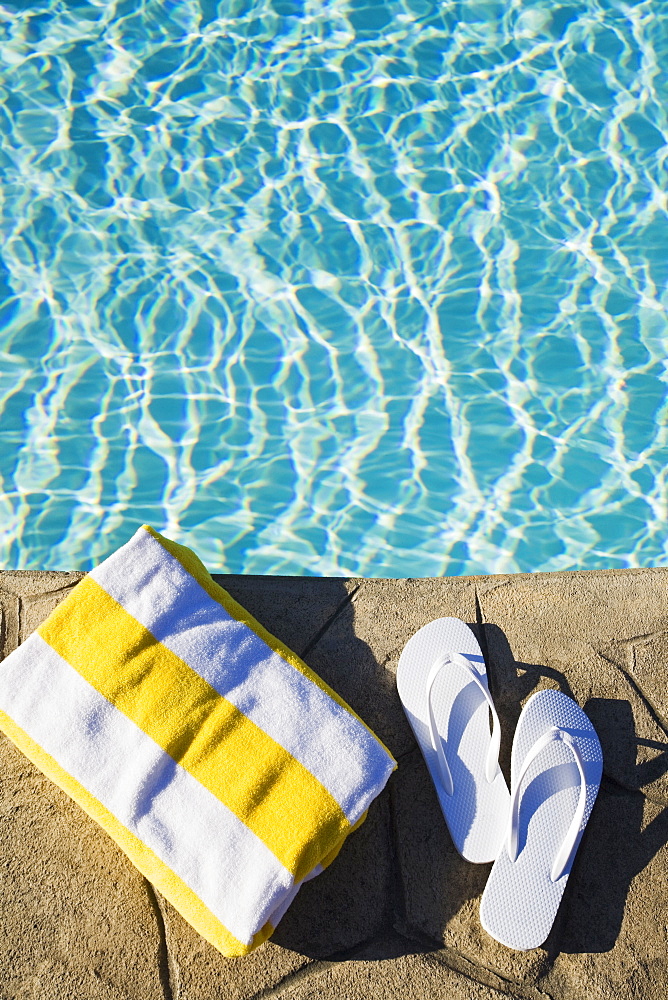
(520, 900)
(476, 812)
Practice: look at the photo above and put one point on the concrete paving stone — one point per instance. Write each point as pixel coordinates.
(561, 614)
(587, 644)
(294, 609)
(647, 660)
(358, 654)
(52, 978)
(385, 970)
(76, 917)
(197, 971)
(634, 742)
(31, 582)
(614, 917)
(34, 609)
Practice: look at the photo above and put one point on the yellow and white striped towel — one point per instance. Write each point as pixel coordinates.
(226, 770)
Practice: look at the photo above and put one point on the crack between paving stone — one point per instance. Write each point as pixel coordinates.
(45, 593)
(398, 899)
(358, 952)
(280, 989)
(482, 975)
(315, 969)
(480, 622)
(661, 633)
(4, 592)
(478, 608)
(58, 590)
(330, 621)
(166, 973)
(19, 619)
(452, 960)
(10, 620)
(497, 586)
(656, 714)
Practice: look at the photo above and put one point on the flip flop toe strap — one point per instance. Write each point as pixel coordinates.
(566, 852)
(492, 760)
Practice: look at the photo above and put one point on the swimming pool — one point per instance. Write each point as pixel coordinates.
(363, 288)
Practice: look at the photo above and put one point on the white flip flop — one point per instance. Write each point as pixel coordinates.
(442, 683)
(556, 772)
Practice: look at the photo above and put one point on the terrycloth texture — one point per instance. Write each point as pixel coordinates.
(227, 771)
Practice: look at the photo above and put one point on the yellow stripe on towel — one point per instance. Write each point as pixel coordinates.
(274, 795)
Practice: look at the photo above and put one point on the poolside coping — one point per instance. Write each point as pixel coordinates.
(396, 915)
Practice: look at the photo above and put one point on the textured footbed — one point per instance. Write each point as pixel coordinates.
(476, 813)
(520, 901)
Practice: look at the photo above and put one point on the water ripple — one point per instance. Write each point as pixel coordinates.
(363, 287)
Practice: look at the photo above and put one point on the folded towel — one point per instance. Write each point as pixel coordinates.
(226, 770)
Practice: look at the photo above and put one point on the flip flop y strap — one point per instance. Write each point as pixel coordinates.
(568, 847)
(492, 761)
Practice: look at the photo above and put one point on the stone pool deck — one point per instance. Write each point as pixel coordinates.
(397, 914)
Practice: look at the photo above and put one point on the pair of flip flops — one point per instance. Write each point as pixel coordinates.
(531, 832)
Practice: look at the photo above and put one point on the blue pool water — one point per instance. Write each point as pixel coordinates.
(359, 287)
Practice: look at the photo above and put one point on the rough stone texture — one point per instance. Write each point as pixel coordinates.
(198, 972)
(25, 583)
(77, 920)
(385, 969)
(37, 607)
(397, 913)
